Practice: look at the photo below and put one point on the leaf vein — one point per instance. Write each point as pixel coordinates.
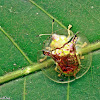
(24, 90)
(15, 44)
(48, 14)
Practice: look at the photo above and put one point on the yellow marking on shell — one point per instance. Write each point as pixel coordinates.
(66, 46)
(58, 42)
(66, 49)
(52, 43)
(62, 52)
(59, 52)
(53, 52)
(71, 54)
(57, 39)
(66, 52)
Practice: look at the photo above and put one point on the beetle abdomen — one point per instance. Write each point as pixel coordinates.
(68, 63)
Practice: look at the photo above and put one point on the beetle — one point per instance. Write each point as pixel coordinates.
(63, 52)
(62, 49)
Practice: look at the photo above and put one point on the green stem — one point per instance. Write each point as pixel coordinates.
(35, 67)
(24, 91)
(90, 48)
(25, 71)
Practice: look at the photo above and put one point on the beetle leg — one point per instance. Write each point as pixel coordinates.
(78, 58)
(74, 74)
(81, 57)
(43, 59)
(84, 44)
(56, 69)
(69, 27)
(59, 75)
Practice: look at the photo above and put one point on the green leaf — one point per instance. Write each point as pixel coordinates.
(22, 21)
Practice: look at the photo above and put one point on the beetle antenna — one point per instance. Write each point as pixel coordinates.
(47, 34)
(75, 37)
(69, 27)
(52, 25)
(43, 34)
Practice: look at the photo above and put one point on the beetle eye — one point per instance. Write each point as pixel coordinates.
(46, 52)
(43, 52)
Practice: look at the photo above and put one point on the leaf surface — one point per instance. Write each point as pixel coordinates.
(23, 21)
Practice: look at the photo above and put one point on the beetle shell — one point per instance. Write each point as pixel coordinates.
(64, 54)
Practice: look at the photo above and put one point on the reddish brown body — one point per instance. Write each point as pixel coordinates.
(68, 63)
